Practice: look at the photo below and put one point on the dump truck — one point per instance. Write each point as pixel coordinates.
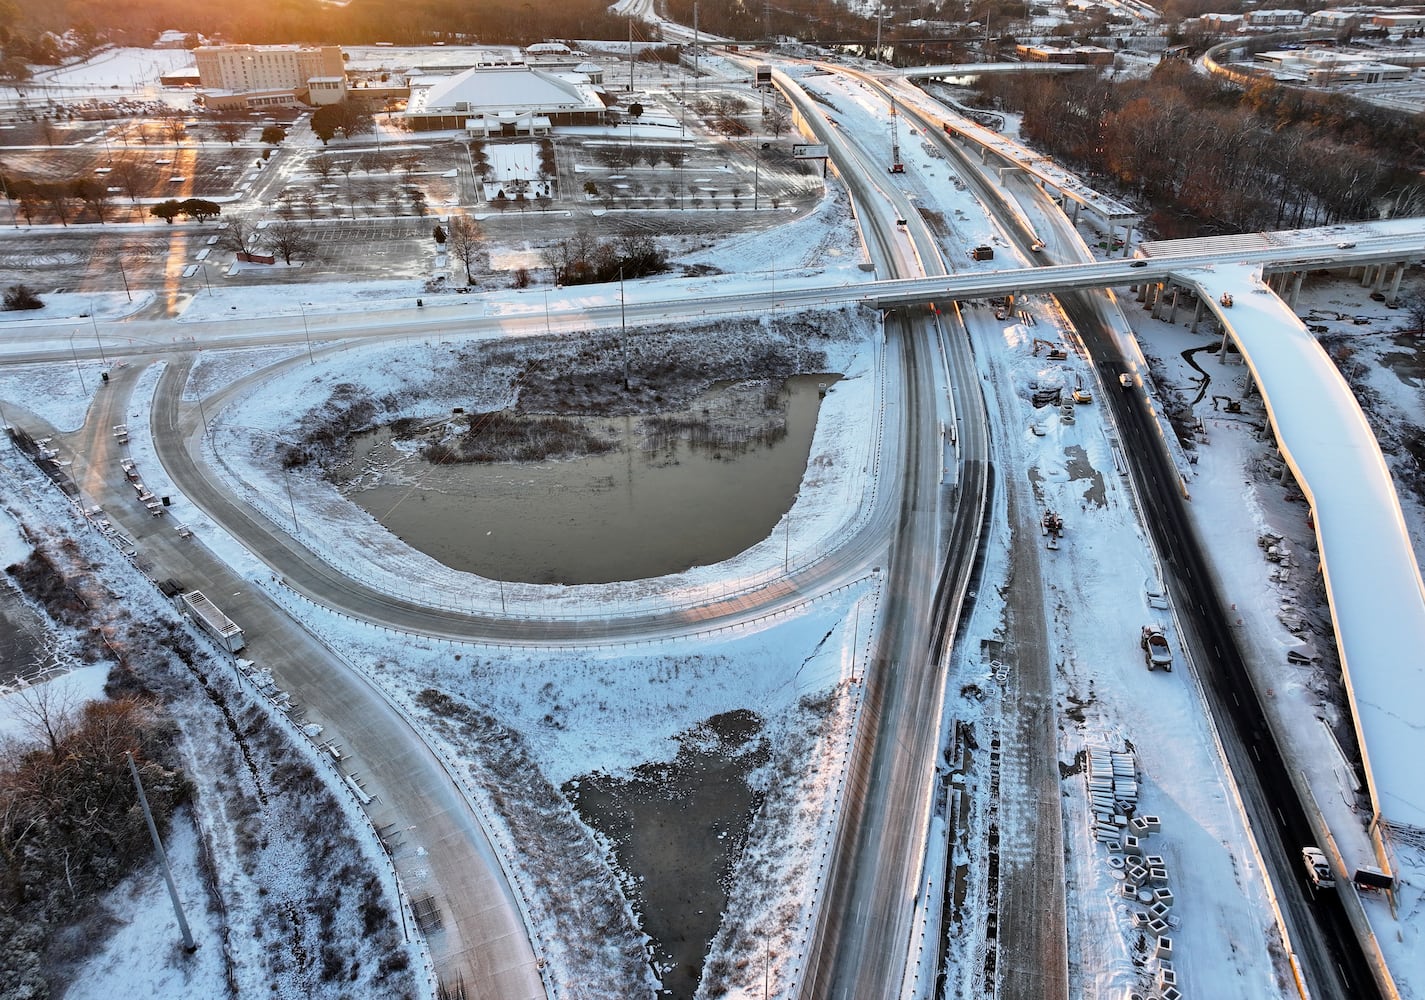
(1156, 652)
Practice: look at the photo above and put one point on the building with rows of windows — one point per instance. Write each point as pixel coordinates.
(246, 74)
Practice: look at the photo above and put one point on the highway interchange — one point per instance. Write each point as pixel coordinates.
(923, 537)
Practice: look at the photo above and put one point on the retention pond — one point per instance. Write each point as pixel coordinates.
(677, 491)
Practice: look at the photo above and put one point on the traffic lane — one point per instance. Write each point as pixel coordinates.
(1333, 956)
(868, 903)
(485, 935)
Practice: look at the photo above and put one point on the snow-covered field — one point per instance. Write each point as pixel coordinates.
(614, 707)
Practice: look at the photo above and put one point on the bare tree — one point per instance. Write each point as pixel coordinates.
(1414, 306)
(95, 194)
(778, 120)
(308, 201)
(241, 235)
(46, 712)
(132, 176)
(323, 166)
(464, 241)
(289, 239)
(58, 198)
(229, 130)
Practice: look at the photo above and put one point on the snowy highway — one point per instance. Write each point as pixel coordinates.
(942, 483)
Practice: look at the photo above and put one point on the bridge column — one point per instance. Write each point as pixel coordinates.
(1296, 289)
(1395, 281)
(1379, 279)
(1173, 306)
(1196, 314)
(1366, 275)
(1127, 241)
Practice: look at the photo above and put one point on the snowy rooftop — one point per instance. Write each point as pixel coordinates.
(1372, 577)
(504, 88)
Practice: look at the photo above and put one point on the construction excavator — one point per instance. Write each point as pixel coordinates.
(1051, 525)
(1228, 404)
(1056, 353)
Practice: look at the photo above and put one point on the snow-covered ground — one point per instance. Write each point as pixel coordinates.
(618, 707)
(111, 75)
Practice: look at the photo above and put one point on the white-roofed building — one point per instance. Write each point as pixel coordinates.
(504, 99)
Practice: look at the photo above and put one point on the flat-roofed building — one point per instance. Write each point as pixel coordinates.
(241, 69)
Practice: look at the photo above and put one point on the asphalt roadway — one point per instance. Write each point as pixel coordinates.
(1322, 936)
(438, 844)
(1323, 940)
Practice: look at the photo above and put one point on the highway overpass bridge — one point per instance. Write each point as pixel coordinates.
(1372, 578)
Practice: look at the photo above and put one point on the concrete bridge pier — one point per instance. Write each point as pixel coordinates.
(1395, 281)
(1173, 306)
(1196, 314)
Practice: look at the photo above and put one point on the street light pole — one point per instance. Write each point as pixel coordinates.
(204, 265)
(124, 275)
(75, 355)
(756, 174)
(5, 188)
(306, 333)
(287, 481)
(97, 341)
(188, 943)
(623, 326)
(202, 411)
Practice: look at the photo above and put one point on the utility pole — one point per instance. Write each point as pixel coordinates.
(623, 325)
(630, 53)
(697, 82)
(188, 944)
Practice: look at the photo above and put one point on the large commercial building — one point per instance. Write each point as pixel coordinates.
(503, 99)
(273, 69)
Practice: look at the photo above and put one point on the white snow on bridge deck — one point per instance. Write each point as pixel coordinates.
(1371, 574)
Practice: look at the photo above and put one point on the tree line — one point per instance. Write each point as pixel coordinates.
(1214, 159)
(139, 22)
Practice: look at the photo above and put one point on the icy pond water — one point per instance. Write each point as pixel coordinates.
(676, 830)
(629, 514)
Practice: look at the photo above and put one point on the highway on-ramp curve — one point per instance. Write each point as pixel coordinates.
(441, 849)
